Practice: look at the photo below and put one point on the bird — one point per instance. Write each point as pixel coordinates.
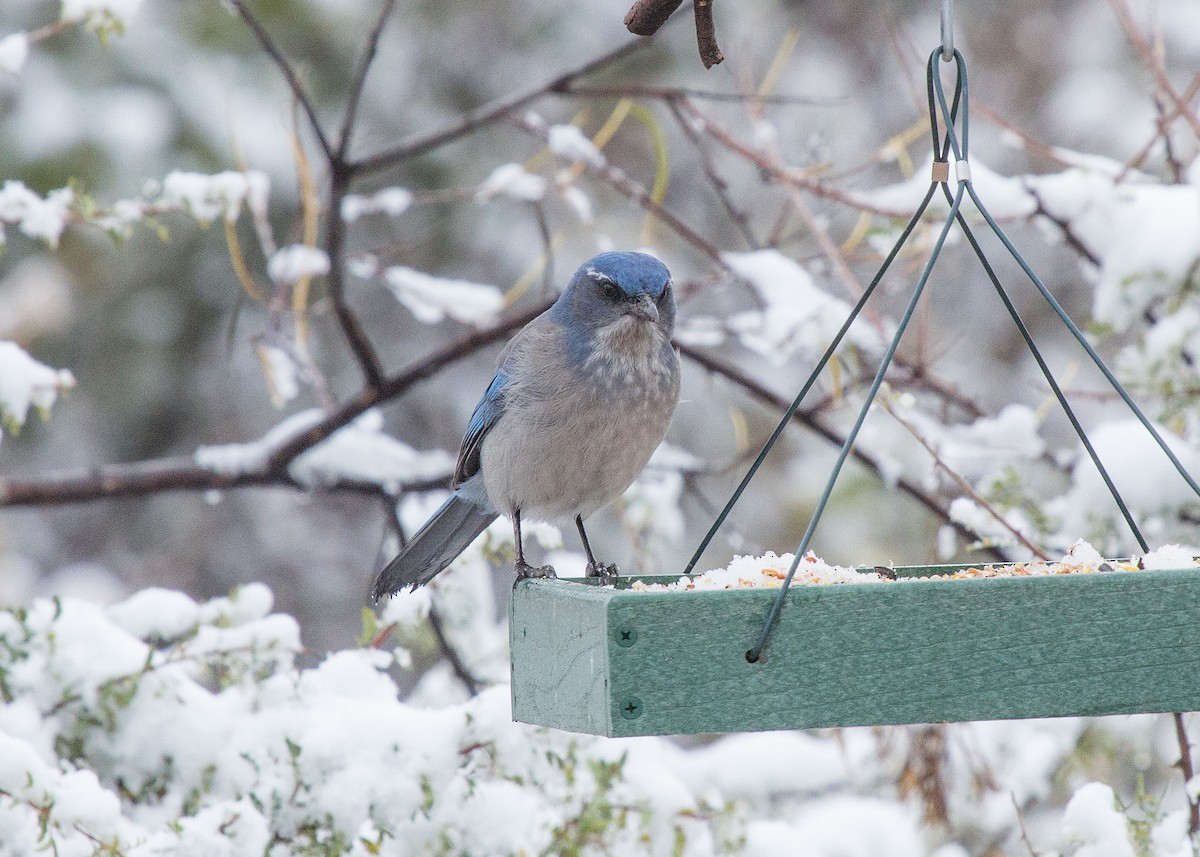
(581, 398)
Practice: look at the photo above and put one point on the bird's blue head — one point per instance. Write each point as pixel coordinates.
(618, 288)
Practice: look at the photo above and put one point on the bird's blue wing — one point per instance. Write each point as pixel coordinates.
(487, 412)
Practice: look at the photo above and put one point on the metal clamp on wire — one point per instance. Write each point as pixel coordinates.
(963, 170)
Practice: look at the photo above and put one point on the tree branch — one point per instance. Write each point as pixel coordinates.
(1165, 118)
(160, 475)
(183, 474)
(719, 185)
(360, 79)
(706, 34)
(789, 177)
(493, 112)
(1063, 226)
(1154, 63)
(963, 485)
(671, 93)
(340, 177)
(808, 420)
(450, 653)
(627, 187)
(289, 74)
(396, 386)
(1189, 772)
(645, 17)
(335, 280)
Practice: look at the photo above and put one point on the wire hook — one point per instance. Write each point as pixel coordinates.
(947, 30)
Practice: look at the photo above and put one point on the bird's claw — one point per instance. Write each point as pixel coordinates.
(607, 574)
(525, 570)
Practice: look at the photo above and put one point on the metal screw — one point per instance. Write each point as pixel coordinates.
(626, 636)
(631, 708)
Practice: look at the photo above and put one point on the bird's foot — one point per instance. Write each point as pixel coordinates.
(525, 570)
(607, 574)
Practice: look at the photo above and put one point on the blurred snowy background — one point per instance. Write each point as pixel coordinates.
(1084, 141)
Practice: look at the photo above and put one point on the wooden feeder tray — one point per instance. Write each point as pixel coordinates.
(616, 662)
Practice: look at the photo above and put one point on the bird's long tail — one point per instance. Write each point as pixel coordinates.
(444, 536)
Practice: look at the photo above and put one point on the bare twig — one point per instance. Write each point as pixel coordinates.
(1063, 226)
(497, 110)
(391, 511)
(1189, 772)
(335, 281)
(627, 187)
(919, 378)
(788, 176)
(1166, 117)
(706, 34)
(268, 45)
(768, 158)
(1175, 165)
(769, 165)
(963, 485)
(719, 184)
(645, 17)
(808, 420)
(360, 79)
(1154, 62)
(450, 653)
(1021, 824)
(539, 212)
(669, 93)
(340, 176)
(924, 772)
(1030, 143)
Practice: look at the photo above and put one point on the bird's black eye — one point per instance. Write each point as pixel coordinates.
(610, 289)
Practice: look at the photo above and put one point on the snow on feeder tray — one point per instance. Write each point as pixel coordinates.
(936, 644)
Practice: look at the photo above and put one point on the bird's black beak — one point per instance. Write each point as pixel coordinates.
(646, 308)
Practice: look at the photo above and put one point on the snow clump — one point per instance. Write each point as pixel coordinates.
(26, 383)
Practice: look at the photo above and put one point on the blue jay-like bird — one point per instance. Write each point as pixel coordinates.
(582, 396)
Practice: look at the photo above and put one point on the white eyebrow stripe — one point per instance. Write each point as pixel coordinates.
(600, 275)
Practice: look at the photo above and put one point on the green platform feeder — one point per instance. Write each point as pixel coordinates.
(617, 662)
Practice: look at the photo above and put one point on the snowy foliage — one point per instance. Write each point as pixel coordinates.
(38, 217)
(101, 14)
(392, 201)
(204, 197)
(280, 372)
(207, 197)
(26, 383)
(160, 725)
(14, 50)
(431, 299)
(360, 452)
(570, 143)
(797, 316)
(513, 181)
(1146, 236)
(297, 261)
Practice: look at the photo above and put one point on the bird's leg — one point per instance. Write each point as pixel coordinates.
(607, 573)
(523, 568)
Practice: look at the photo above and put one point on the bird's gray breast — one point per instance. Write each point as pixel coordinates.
(575, 434)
